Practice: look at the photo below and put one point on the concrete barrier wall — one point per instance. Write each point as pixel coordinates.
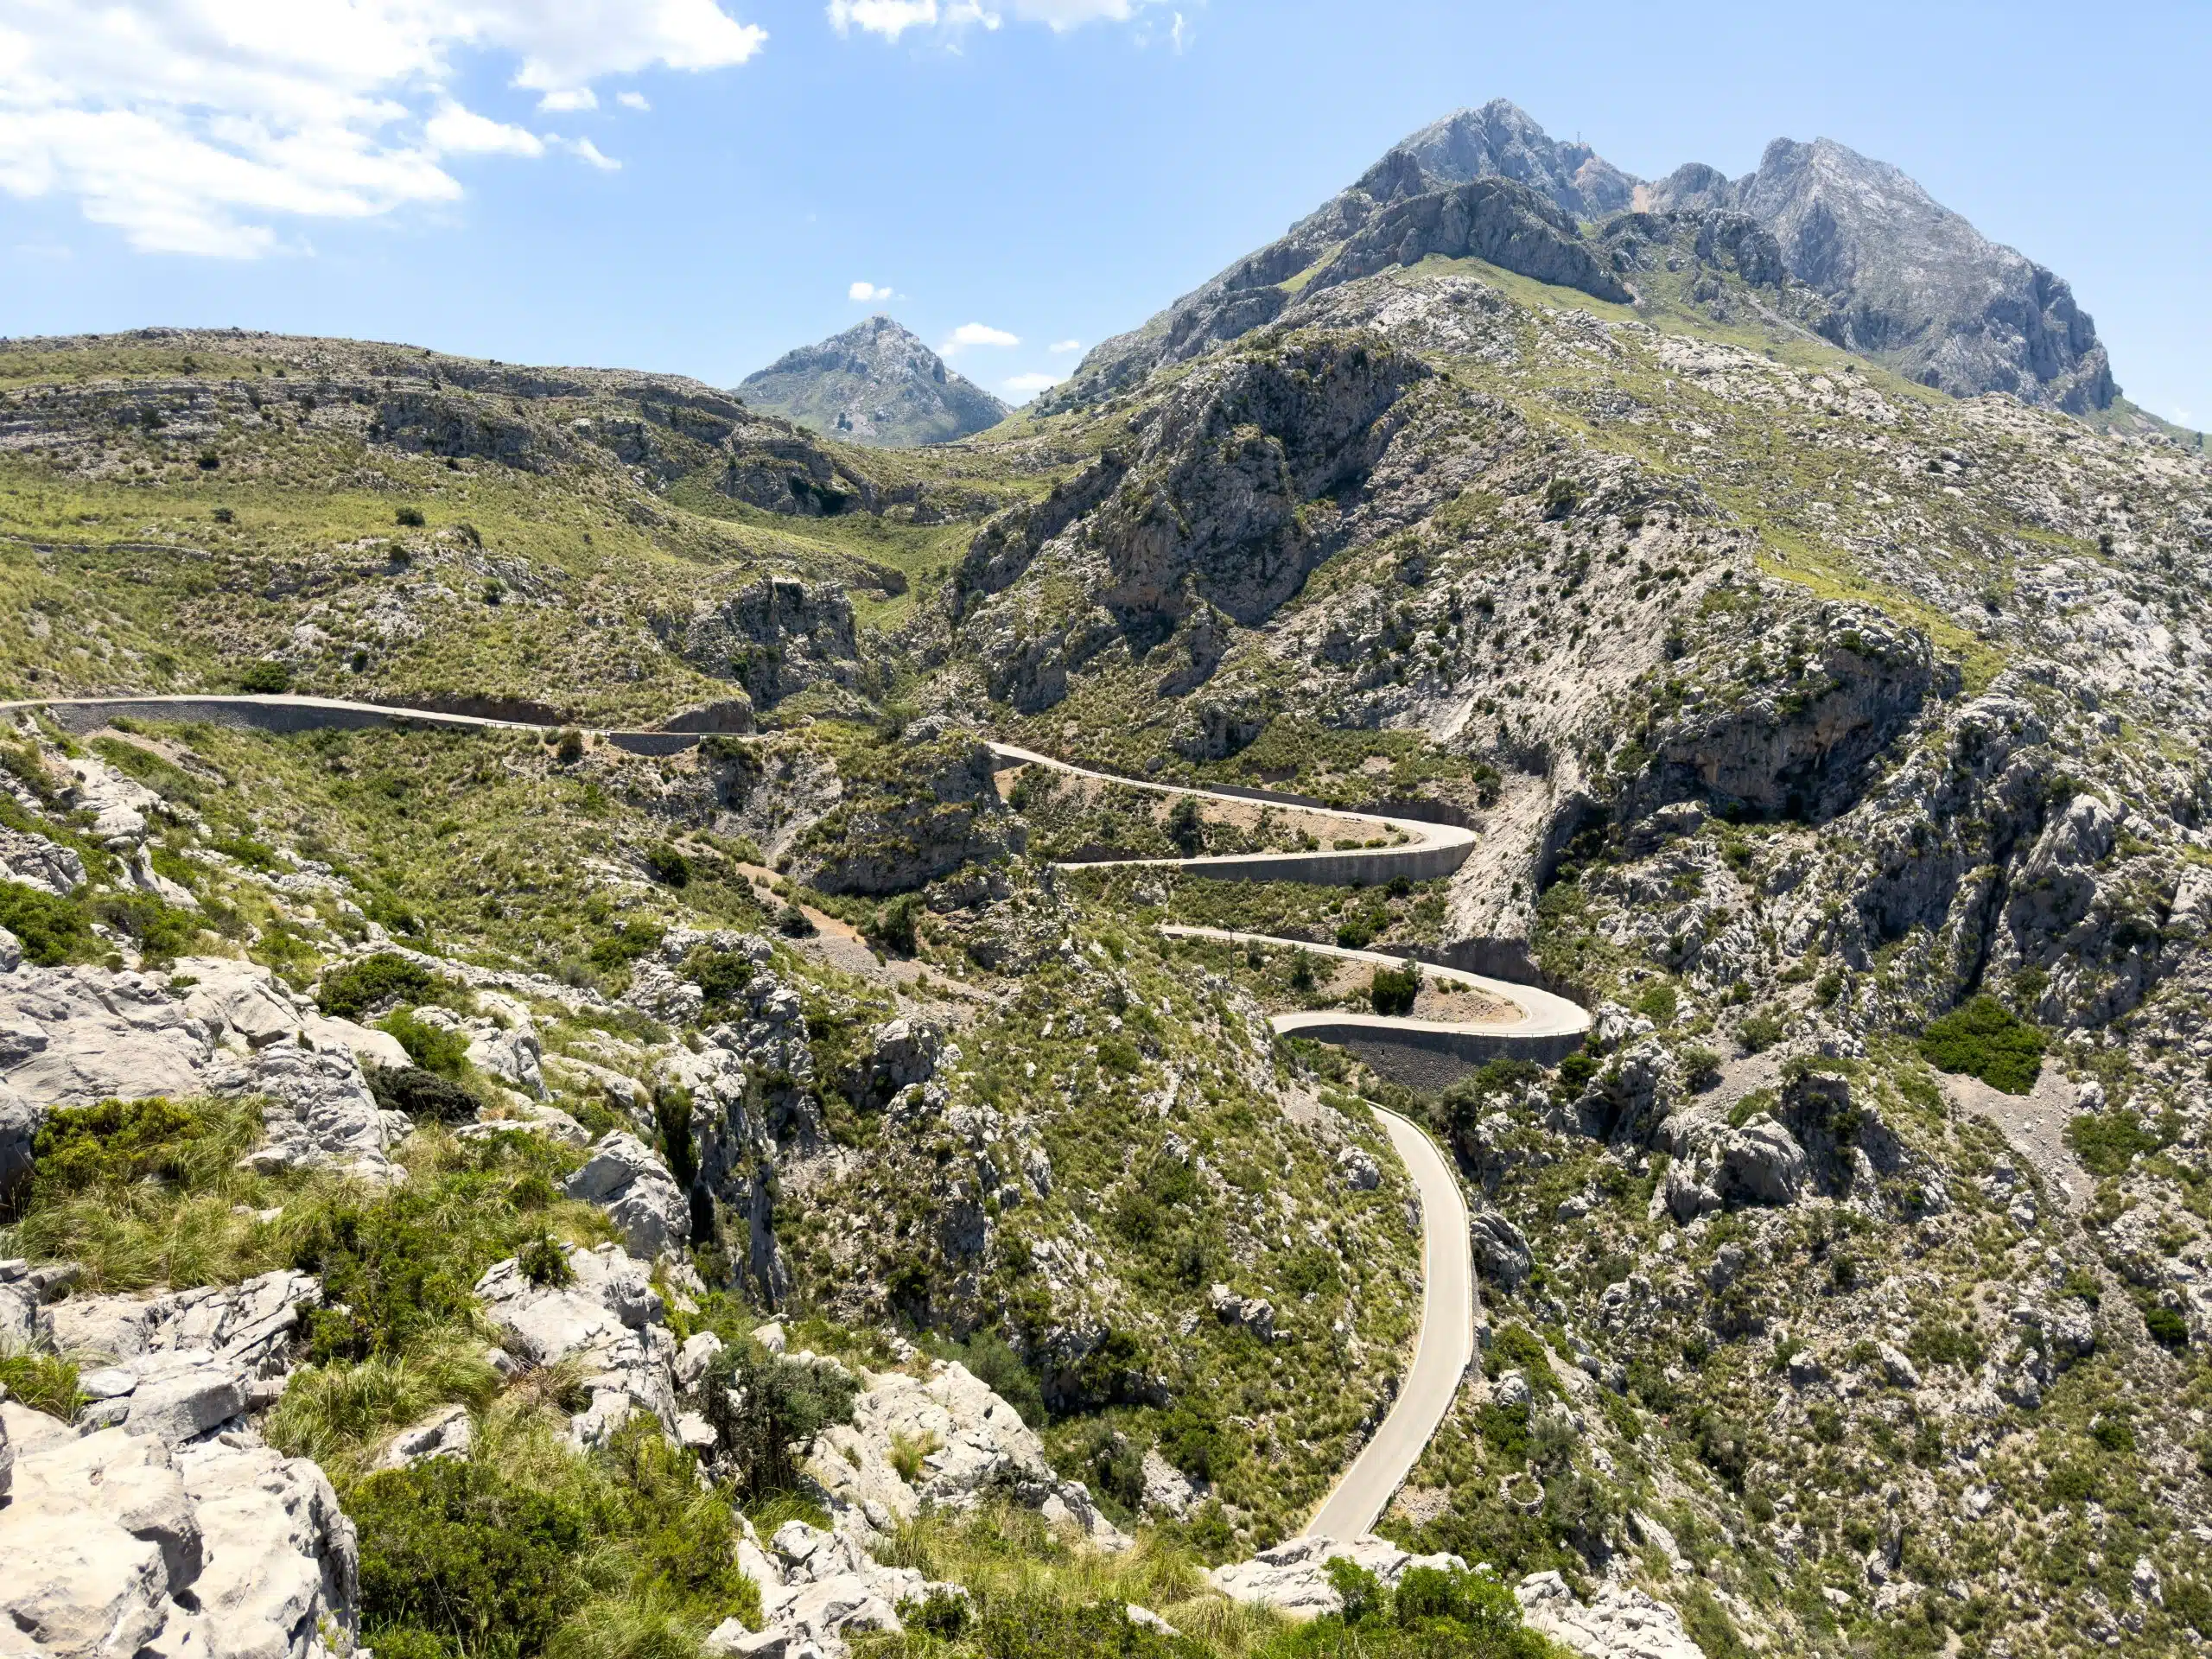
(89, 713)
(657, 743)
(289, 714)
(1434, 1058)
(1364, 866)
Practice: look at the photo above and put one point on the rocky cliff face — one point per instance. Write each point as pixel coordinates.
(1913, 284)
(874, 384)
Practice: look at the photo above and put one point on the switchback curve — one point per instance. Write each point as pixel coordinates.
(1543, 1025)
(1422, 851)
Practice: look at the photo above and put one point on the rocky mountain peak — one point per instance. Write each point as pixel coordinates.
(1503, 140)
(1907, 282)
(876, 384)
(1914, 285)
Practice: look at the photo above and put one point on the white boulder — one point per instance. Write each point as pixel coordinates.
(972, 1446)
(320, 1113)
(118, 1544)
(1293, 1578)
(35, 861)
(1619, 1621)
(627, 1178)
(607, 1321)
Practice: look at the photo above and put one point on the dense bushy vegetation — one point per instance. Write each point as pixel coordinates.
(1984, 1039)
(531, 1548)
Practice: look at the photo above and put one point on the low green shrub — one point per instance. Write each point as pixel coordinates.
(265, 678)
(422, 1094)
(895, 929)
(161, 932)
(1186, 826)
(720, 975)
(1986, 1039)
(115, 1143)
(349, 992)
(2167, 1328)
(432, 1048)
(2106, 1142)
(765, 1411)
(455, 1555)
(1759, 1032)
(1659, 1003)
(1195, 1441)
(629, 943)
(1701, 1066)
(1393, 990)
(667, 866)
(52, 930)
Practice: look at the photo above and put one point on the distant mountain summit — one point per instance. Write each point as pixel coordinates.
(1912, 283)
(1900, 278)
(874, 384)
(1500, 141)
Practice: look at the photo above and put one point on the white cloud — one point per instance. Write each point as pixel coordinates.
(1062, 347)
(567, 99)
(892, 18)
(202, 126)
(977, 333)
(867, 294)
(1026, 386)
(1061, 15)
(632, 100)
(587, 150)
(889, 18)
(456, 131)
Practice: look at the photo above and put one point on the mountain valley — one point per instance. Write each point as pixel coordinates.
(644, 1020)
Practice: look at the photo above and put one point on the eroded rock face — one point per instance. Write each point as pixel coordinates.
(320, 1112)
(1501, 1252)
(608, 1321)
(37, 862)
(1208, 513)
(1803, 752)
(117, 1543)
(817, 1589)
(179, 1364)
(630, 1182)
(75, 1036)
(775, 638)
(973, 1448)
(1619, 1621)
(1293, 1577)
(938, 813)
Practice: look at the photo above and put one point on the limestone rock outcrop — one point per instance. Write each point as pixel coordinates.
(1293, 1577)
(607, 1321)
(117, 1542)
(1619, 1621)
(973, 1447)
(627, 1178)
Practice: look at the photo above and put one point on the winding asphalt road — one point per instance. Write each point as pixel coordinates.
(1539, 1021)
(1422, 851)
(1441, 1355)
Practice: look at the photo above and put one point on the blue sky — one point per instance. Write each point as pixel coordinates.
(698, 185)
